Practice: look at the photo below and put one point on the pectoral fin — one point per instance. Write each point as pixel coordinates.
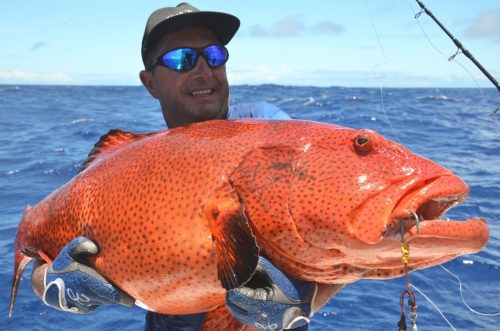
(236, 247)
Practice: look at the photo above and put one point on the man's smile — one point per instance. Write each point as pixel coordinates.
(202, 93)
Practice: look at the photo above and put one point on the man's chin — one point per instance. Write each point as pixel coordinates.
(205, 113)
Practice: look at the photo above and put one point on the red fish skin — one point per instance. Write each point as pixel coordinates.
(153, 237)
(306, 189)
(221, 319)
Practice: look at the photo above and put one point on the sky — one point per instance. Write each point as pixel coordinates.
(356, 43)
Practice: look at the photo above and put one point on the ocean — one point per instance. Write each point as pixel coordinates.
(47, 131)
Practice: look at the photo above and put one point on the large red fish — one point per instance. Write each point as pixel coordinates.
(181, 215)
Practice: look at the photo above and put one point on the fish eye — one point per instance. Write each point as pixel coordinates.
(365, 141)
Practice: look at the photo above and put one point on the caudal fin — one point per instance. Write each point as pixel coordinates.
(24, 252)
(21, 261)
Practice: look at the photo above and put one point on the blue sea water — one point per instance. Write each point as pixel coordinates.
(47, 131)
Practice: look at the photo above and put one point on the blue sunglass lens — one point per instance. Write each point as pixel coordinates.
(215, 55)
(180, 59)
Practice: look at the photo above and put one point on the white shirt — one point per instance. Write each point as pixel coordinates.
(256, 110)
(261, 110)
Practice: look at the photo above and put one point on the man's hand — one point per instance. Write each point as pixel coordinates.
(271, 300)
(70, 285)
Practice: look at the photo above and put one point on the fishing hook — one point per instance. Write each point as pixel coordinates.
(402, 230)
(417, 223)
(417, 219)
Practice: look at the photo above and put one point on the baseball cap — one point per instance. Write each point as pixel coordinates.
(163, 20)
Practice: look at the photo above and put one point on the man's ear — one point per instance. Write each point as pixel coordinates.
(147, 80)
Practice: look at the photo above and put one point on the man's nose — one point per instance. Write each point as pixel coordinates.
(202, 69)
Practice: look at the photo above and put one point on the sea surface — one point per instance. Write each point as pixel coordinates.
(47, 131)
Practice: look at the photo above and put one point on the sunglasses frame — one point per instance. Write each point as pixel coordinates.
(200, 51)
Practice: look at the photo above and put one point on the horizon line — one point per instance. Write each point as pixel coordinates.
(241, 85)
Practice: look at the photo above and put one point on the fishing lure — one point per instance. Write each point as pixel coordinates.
(412, 300)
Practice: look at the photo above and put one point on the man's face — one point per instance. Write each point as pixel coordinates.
(196, 95)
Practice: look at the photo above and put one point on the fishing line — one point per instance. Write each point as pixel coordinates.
(450, 58)
(381, 47)
(436, 307)
(462, 296)
(460, 50)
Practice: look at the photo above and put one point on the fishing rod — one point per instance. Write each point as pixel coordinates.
(464, 50)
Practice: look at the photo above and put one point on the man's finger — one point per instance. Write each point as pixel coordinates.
(82, 247)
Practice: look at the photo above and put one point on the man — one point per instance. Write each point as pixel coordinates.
(184, 57)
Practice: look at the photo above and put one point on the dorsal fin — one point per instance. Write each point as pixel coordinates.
(111, 141)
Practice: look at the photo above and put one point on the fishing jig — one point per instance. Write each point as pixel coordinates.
(412, 300)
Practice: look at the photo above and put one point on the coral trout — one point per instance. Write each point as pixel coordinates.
(180, 216)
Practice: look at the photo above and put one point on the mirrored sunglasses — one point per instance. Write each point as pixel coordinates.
(185, 58)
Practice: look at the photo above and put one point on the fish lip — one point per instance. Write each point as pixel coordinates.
(427, 202)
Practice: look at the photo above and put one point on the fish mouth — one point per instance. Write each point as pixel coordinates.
(419, 214)
(417, 218)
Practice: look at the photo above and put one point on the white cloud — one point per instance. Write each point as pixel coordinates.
(328, 27)
(258, 30)
(291, 26)
(38, 45)
(22, 77)
(486, 25)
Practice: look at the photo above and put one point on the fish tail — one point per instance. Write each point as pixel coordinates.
(20, 263)
(24, 253)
